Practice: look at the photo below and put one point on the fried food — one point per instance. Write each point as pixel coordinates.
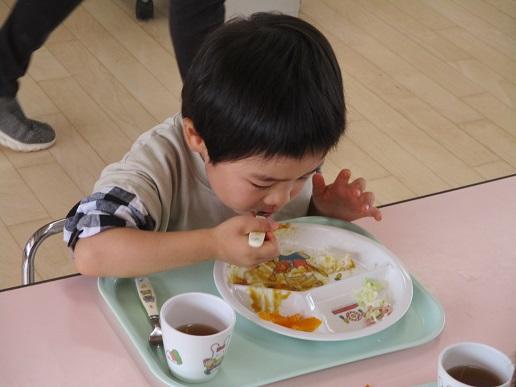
(297, 271)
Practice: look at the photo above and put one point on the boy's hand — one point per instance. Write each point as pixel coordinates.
(342, 199)
(232, 241)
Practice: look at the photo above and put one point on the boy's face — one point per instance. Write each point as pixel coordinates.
(254, 184)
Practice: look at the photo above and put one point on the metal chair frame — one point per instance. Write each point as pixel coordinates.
(32, 246)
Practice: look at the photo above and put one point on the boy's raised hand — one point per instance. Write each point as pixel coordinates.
(231, 240)
(343, 199)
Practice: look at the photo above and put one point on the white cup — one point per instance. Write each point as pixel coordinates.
(475, 355)
(194, 358)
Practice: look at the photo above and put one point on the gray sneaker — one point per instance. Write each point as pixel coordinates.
(20, 133)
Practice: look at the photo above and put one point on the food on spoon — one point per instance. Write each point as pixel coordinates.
(294, 321)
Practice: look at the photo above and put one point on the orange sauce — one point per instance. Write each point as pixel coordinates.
(294, 321)
(257, 297)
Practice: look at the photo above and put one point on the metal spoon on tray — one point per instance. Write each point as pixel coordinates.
(148, 298)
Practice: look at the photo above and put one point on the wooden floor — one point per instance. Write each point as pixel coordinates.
(430, 85)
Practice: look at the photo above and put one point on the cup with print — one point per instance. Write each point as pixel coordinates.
(470, 364)
(197, 329)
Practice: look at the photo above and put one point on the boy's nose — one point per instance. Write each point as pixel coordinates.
(278, 198)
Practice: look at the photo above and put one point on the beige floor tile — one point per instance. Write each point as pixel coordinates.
(56, 191)
(60, 34)
(414, 109)
(33, 99)
(391, 64)
(485, 11)
(483, 52)
(88, 118)
(400, 44)
(4, 11)
(408, 169)
(426, 15)
(389, 190)
(77, 158)
(438, 98)
(496, 139)
(490, 107)
(409, 137)
(481, 29)
(18, 203)
(142, 46)
(109, 93)
(493, 83)
(44, 66)
(26, 159)
(446, 133)
(508, 7)
(496, 169)
(349, 155)
(427, 38)
(158, 29)
(10, 259)
(147, 89)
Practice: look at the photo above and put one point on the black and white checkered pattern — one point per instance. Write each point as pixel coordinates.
(111, 207)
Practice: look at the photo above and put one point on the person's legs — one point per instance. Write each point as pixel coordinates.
(28, 26)
(190, 22)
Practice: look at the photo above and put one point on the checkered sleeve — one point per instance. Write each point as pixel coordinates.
(111, 207)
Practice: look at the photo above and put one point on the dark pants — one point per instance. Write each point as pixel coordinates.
(190, 21)
(31, 22)
(25, 30)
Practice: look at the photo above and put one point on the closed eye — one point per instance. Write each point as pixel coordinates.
(258, 186)
(307, 176)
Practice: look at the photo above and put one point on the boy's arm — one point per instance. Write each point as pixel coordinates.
(342, 199)
(128, 252)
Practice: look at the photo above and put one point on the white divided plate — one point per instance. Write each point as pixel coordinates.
(333, 303)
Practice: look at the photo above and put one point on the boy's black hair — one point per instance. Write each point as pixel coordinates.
(268, 85)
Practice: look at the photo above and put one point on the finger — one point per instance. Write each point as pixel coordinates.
(268, 251)
(342, 178)
(256, 224)
(368, 206)
(376, 213)
(367, 198)
(358, 186)
(269, 236)
(318, 184)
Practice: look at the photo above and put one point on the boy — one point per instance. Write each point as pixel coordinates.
(261, 106)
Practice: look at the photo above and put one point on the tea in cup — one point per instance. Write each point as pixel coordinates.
(196, 329)
(473, 365)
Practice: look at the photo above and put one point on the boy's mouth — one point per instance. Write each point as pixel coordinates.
(262, 213)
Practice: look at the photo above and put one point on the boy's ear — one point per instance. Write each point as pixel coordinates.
(193, 139)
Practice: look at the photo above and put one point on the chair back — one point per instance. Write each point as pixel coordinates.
(32, 245)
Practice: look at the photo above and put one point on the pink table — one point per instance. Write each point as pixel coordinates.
(461, 245)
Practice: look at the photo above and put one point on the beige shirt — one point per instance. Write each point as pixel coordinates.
(170, 182)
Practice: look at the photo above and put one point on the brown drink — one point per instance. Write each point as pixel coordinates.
(197, 329)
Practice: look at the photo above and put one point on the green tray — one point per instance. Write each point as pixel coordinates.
(258, 356)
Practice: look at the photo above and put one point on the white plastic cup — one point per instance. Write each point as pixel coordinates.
(191, 358)
(477, 355)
